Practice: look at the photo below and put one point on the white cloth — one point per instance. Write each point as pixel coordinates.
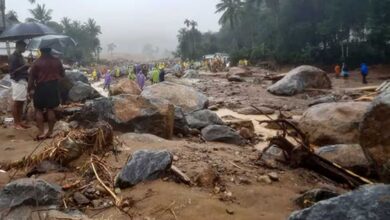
(19, 90)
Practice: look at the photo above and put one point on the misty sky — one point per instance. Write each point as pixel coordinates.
(131, 24)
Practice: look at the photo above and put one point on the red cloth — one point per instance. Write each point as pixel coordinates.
(47, 68)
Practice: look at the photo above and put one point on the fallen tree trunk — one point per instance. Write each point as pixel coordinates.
(275, 77)
(302, 155)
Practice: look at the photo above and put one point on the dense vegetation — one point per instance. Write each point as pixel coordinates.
(296, 31)
(84, 33)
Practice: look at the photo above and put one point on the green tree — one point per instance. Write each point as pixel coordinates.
(231, 10)
(40, 14)
(110, 48)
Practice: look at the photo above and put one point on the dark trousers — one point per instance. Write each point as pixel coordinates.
(364, 79)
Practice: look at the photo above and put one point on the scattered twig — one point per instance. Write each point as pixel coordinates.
(173, 213)
(232, 163)
(183, 177)
(118, 201)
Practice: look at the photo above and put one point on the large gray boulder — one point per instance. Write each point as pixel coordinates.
(375, 135)
(368, 202)
(333, 123)
(299, 79)
(221, 133)
(191, 74)
(179, 95)
(144, 165)
(130, 113)
(350, 156)
(180, 124)
(75, 76)
(81, 92)
(30, 192)
(203, 118)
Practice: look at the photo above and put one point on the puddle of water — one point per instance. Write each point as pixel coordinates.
(98, 85)
(259, 129)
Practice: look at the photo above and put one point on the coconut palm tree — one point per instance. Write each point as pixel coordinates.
(66, 22)
(111, 47)
(187, 22)
(92, 28)
(231, 10)
(193, 24)
(40, 14)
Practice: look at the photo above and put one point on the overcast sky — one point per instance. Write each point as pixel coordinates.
(131, 24)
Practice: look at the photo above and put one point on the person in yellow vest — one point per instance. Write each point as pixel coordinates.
(155, 75)
(132, 75)
(117, 72)
(94, 75)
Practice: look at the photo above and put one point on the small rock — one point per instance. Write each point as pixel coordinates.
(207, 178)
(264, 179)
(313, 196)
(253, 111)
(97, 203)
(118, 191)
(221, 133)
(235, 78)
(175, 158)
(274, 176)
(80, 199)
(244, 181)
(230, 211)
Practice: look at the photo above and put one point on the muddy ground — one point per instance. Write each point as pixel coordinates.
(237, 194)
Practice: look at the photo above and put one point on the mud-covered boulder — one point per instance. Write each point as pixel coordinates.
(125, 86)
(239, 71)
(235, 78)
(130, 113)
(375, 135)
(30, 192)
(221, 133)
(144, 165)
(350, 156)
(179, 95)
(299, 79)
(81, 92)
(368, 202)
(203, 118)
(333, 123)
(325, 99)
(191, 74)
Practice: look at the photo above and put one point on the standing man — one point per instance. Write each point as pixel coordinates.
(161, 77)
(43, 86)
(337, 70)
(19, 76)
(364, 72)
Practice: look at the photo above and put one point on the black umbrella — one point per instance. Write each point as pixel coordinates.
(25, 31)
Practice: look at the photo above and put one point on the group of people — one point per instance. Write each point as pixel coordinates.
(344, 71)
(36, 81)
(138, 73)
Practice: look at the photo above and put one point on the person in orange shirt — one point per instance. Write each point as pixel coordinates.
(337, 70)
